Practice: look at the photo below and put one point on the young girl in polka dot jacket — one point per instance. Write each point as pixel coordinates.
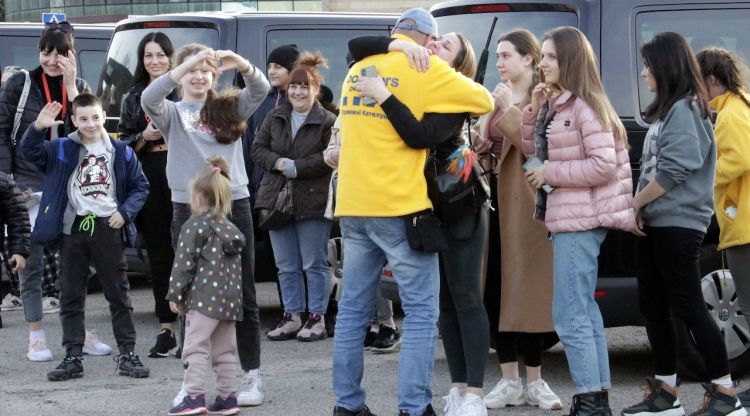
(206, 286)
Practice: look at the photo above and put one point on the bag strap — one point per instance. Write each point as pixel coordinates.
(19, 109)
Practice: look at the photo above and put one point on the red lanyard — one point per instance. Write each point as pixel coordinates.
(49, 98)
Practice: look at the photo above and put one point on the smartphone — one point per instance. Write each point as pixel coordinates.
(369, 71)
(533, 163)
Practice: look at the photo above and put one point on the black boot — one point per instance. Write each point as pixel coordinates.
(590, 404)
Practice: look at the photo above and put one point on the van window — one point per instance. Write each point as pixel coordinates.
(90, 66)
(117, 73)
(476, 27)
(726, 28)
(332, 44)
(20, 51)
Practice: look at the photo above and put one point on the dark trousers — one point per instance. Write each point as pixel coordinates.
(248, 330)
(103, 247)
(155, 221)
(669, 288)
(512, 344)
(463, 320)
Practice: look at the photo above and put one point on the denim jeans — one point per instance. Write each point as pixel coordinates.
(300, 249)
(31, 279)
(576, 315)
(370, 242)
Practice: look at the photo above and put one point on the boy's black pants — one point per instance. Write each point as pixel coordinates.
(102, 246)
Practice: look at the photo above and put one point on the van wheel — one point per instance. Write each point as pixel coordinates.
(721, 299)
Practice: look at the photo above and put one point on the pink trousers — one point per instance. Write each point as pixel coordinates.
(206, 337)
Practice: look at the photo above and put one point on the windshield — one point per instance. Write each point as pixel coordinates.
(117, 73)
(476, 27)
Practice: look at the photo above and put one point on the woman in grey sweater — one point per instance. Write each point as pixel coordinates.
(204, 124)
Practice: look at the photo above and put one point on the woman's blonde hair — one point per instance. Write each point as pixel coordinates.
(220, 111)
(580, 76)
(465, 61)
(214, 187)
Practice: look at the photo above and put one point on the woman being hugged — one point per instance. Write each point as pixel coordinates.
(722, 72)
(155, 219)
(571, 126)
(289, 148)
(203, 124)
(525, 313)
(673, 206)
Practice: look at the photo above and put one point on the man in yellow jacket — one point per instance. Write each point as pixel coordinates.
(381, 180)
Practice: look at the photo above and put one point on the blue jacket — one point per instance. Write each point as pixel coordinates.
(58, 160)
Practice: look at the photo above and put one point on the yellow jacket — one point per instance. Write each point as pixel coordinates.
(379, 175)
(732, 183)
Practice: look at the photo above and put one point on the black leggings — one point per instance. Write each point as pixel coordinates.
(669, 288)
(463, 320)
(512, 344)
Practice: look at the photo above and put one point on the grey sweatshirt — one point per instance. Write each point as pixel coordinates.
(679, 153)
(190, 142)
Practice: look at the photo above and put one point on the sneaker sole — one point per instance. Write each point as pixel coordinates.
(313, 338)
(64, 377)
(95, 353)
(37, 360)
(155, 354)
(225, 412)
(738, 412)
(553, 406)
(679, 411)
(282, 337)
(11, 308)
(137, 375)
(393, 348)
(502, 405)
(56, 310)
(198, 411)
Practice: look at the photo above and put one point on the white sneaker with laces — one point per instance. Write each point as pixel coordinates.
(93, 346)
(50, 305)
(506, 393)
(11, 303)
(452, 402)
(472, 405)
(180, 395)
(38, 350)
(539, 394)
(250, 391)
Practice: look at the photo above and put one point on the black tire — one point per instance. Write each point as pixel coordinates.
(718, 289)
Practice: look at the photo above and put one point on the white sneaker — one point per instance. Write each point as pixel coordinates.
(11, 303)
(452, 402)
(506, 393)
(250, 391)
(50, 305)
(180, 395)
(38, 350)
(472, 405)
(539, 394)
(92, 345)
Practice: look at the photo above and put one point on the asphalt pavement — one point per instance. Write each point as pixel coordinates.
(297, 376)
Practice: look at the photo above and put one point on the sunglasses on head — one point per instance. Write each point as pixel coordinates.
(63, 26)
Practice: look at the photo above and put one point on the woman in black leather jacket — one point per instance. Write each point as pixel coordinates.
(154, 221)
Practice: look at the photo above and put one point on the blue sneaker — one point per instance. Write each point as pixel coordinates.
(190, 406)
(222, 406)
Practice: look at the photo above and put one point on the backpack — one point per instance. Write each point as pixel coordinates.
(19, 109)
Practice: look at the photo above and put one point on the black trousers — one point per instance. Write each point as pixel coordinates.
(155, 223)
(512, 344)
(103, 247)
(669, 288)
(248, 330)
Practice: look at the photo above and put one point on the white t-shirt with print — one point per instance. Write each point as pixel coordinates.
(92, 188)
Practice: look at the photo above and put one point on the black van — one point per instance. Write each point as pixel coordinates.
(616, 30)
(19, 46)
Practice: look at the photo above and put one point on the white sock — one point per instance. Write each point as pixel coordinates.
(375, 328)
(39, 333)
(254, 373)
(725, 381)
(296, 317)
(670, 380)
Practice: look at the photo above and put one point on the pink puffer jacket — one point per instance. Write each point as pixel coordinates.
(588, 167)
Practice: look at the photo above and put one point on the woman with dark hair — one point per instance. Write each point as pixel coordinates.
(722, 72)
(673, 207)
(154, 221)
(54, 80)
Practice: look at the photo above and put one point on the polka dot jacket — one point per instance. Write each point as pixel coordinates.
(207, 271)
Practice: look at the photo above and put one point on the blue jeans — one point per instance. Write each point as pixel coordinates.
(369, 243)
(575, 313)
(300, 249)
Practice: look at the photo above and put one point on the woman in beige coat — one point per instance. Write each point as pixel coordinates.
(526, 252)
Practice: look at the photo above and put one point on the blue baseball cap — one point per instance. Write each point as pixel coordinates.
(421, 21)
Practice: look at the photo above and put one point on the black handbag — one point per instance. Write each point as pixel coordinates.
(282, 211)
(452, 196)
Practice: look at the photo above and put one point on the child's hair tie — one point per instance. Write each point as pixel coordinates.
(216, 169)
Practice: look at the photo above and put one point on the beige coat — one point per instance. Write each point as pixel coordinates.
(526, 252)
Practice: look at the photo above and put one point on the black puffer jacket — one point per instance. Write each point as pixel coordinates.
(132, 118)
(12, 161)
(274, 140)
(15, 215)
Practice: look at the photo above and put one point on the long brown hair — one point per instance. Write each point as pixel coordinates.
(526, 44)
(214, 187)
(579, 74)
(465, 61)
(726, 67)
(220, 111)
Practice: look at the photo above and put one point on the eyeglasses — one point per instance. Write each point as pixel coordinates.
(63, 26)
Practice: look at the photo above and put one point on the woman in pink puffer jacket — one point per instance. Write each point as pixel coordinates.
(572, 127)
